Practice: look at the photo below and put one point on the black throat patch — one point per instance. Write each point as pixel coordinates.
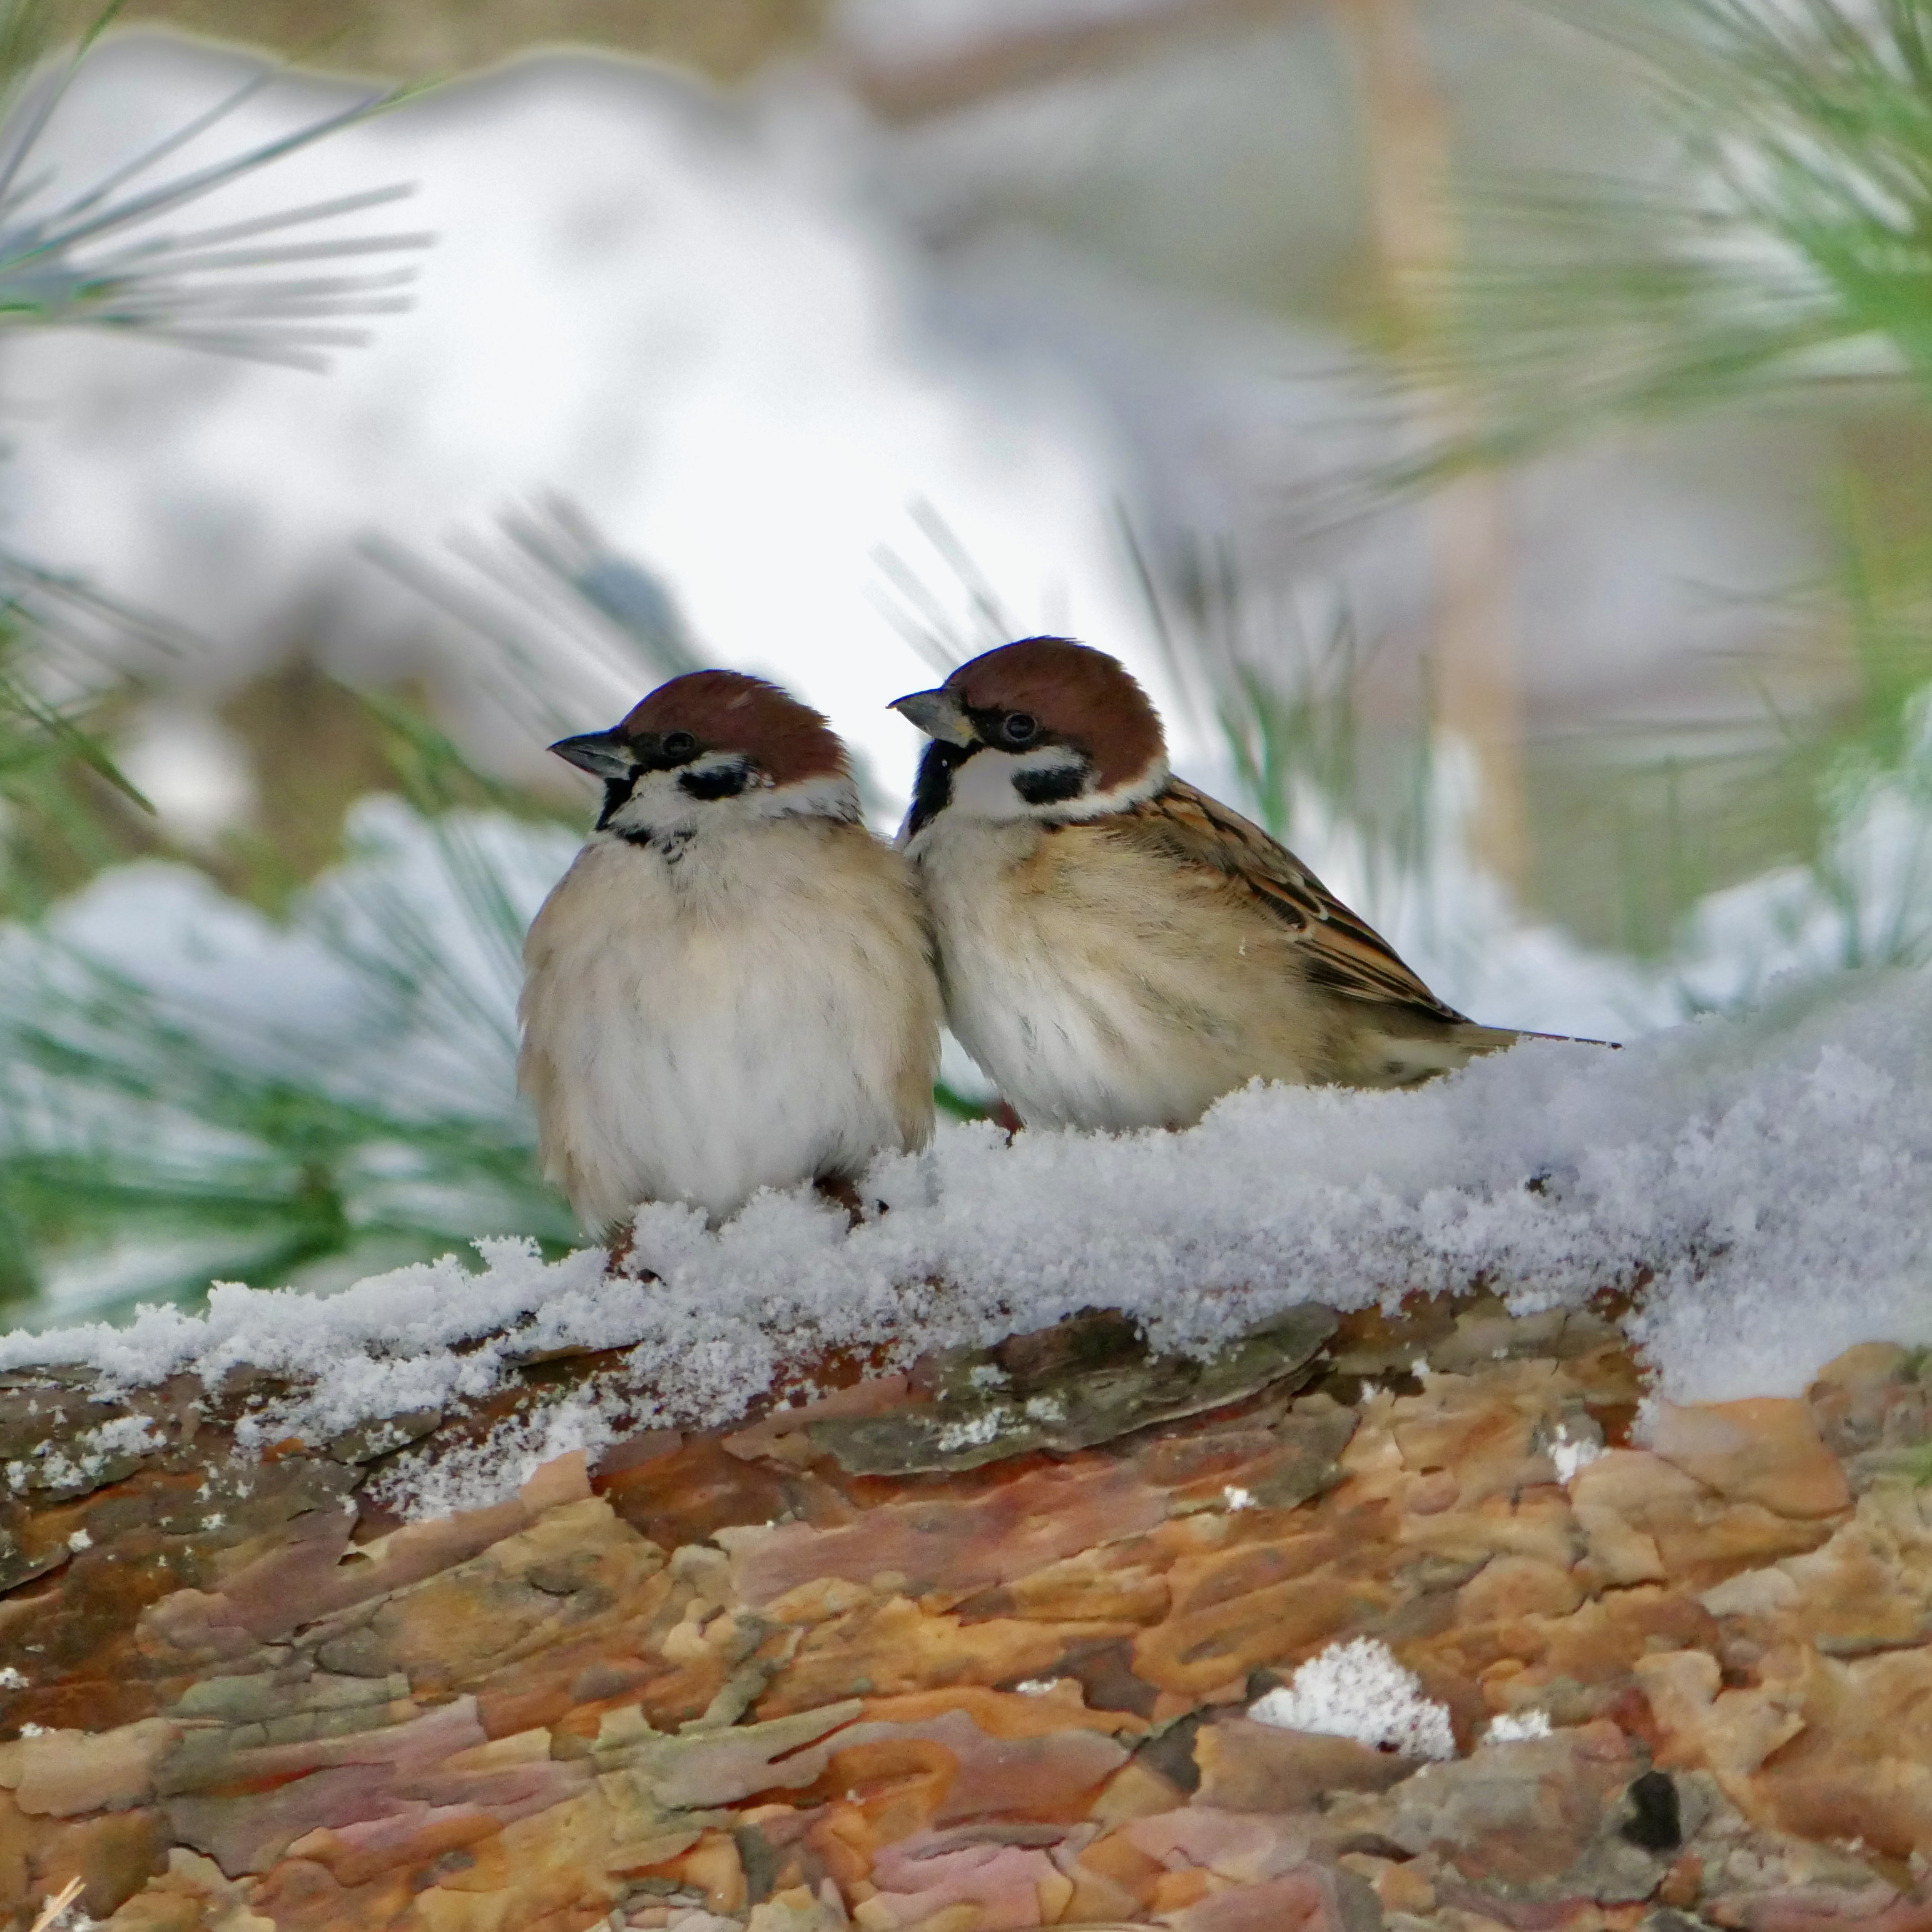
(617, 795)
(932, 789)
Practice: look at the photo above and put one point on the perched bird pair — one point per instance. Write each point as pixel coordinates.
(736, 986)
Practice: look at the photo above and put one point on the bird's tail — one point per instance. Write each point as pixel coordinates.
(1411, 1058)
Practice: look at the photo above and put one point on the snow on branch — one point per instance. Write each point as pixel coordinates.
(1725, 1168)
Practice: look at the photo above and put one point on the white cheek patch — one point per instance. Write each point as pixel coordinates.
(655, 802)
(983, 787)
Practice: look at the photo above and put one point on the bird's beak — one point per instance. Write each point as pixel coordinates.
(939, 714)
(603, 754)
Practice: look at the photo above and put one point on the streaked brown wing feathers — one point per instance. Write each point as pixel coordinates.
(1345, 953)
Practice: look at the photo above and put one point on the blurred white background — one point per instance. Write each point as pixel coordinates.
(1027, 264)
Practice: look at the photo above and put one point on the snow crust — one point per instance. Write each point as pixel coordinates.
(473, 1475)
(1772, 1175)
(1518, 1727)
(1357, 1690)
(124, 1436)
(1571, 1454)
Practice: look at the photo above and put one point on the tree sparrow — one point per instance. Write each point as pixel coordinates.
(732, 987)
(1116, 949)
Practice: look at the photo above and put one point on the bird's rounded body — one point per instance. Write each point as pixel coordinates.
(729, 990)
(1116, 949)
(1101, 986)
(1089, 1000)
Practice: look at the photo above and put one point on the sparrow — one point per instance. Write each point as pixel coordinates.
(733, 986)
(1116, 950)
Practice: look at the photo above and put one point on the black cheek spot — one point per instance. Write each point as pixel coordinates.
(726, 783)
(1051, 787)
(1656, 1823)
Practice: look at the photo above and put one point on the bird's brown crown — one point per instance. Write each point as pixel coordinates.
(727, 711)
(1077, 694)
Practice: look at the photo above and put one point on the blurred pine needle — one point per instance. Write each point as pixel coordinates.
(96, 257)
(1781, 249)
(128, 1120)
(1779, 254)
(164, 1140)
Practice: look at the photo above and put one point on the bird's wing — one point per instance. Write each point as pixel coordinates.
(1342, 953)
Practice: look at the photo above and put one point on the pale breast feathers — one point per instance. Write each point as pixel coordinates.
(758, 1010)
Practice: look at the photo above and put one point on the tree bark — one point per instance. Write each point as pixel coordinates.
(974, 1647)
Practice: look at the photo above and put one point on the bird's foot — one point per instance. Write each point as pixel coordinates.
(622, 1261)
(841, 1192)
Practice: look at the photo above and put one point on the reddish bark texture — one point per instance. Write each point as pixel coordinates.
(759, 1677)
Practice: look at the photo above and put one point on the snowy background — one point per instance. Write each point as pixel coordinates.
(752, 332)
(834, 358)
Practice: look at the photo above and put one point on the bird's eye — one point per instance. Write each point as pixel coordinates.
(679, 744)
(1018, 727)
